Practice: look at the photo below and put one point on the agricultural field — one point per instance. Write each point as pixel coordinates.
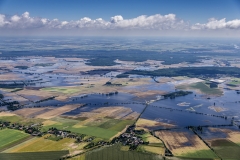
(91, 106)
(9, 117)
(50, 155)
(225, 149)
(48, 143)
(235, 81)
(69, 90)
(43, 144)
(107, 129)
(34, 95)
(203, 88)
(185, 144)
(223, 141)
(155, 145)
(114, 152)
(146, 124)
(58, 111)
(9, 137)
(14, 118)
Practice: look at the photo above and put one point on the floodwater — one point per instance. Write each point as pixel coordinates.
(181, 118)
(95, 101)
(226, 105)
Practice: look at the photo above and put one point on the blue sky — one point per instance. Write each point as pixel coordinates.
(190, 11)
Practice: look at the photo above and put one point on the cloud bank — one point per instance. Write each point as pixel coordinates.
(154, 23)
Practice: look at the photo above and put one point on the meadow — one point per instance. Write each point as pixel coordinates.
(44, 144)
(202, 88)
(9, 137)
(106, 130)
(226, 149)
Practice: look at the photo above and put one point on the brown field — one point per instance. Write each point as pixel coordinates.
(5, 114)
(232, 135)
(27, 112)
(61, 98)
(147, 94)
(176, 142)
(58, 111)
(16, 97)
(116, 112)
(98, 116)
(10, 76)
(37, 94)
(132, 116)
(217, 109)
(119, 113)
(145, 123)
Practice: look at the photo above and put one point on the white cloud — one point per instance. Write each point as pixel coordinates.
(15, 18)
(164, 24)
(2, 20)
(25, 15)
(214, 24)
(116, 19)
(157, 22)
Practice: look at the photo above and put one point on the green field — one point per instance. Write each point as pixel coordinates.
(116, 124)
(10, 136)
(95, 131)
(52, 155)
(43, 144)
(81, 157)
(115, 153)
(206, 89)
(18, 119)
(105, 130)
(92, 131)
(12, 119)
(235, 82)
(226, 149)
(201, 154)
(61, 90)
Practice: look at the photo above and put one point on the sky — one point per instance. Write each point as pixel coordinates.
(213, 18)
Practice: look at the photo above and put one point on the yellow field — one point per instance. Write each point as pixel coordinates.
(142, 123)
(42, 144)
(156, 150)
(5, 114)
(233, 136)
(175, 142)
(50, 122)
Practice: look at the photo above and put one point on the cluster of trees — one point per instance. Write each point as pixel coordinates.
(188, 71)
(50, 98)
(177, 94)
